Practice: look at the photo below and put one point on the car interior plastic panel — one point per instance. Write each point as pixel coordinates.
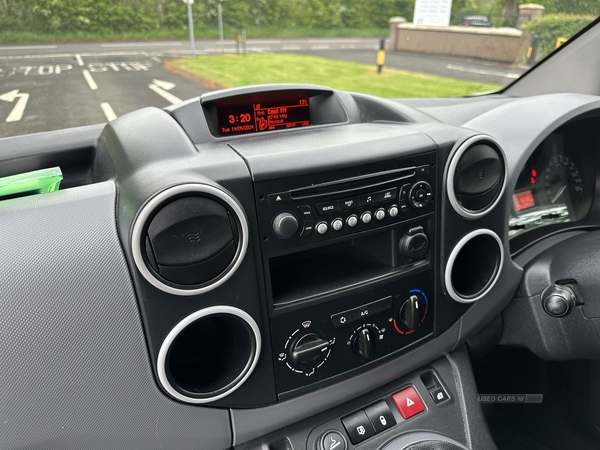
(88, 308)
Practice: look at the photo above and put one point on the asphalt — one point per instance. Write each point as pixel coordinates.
(48, 87)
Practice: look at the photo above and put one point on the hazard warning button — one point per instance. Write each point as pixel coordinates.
(408, 402)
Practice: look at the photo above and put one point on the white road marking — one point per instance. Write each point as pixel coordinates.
(164, 94)
(9, 96)
(291, 47)
(108, 111)
(483, 72)
(28, 47)
(79, 59)
(90, 81)
(148, 55)
(334, 41)
(166, 85)
(142, 44)
(70, 55)
(268, 41)
(320, 47)
(17, 112)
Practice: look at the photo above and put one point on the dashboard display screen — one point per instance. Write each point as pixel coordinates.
(256, 113)
(523, 200)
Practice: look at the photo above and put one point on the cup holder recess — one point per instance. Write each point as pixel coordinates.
(474, 266)
(189, 239)
(209, 354)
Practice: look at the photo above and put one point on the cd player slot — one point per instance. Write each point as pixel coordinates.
(353, 184)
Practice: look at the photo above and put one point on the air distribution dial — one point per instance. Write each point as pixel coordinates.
(308, 348)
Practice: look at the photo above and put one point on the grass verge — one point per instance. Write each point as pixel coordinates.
(25, 37)
(236, 70)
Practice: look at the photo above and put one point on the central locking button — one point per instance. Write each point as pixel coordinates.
(380, 416)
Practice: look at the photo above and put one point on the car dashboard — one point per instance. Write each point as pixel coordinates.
(268, 266)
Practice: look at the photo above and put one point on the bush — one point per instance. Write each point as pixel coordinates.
(546, 30)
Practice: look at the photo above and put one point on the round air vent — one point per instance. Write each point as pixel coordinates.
(209, 354)
(474, 265)
(476, 177)
(189, 239)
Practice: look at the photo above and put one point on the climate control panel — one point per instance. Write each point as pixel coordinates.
(325, 340)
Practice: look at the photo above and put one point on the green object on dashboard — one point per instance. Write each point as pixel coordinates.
(29, 183)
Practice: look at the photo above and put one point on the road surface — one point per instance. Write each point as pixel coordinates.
(48, 87)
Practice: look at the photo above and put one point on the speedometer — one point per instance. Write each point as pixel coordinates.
(562, 182)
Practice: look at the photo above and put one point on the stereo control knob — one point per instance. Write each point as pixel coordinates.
(352, 221)
(411, 312)
(414, 244)
(420, 194)
(380, 214)
(363, 343)
(308, 348)
(322, 228)
(393, 211)
(558, 300)
(337, 224)
(366, 217)
(285, 225)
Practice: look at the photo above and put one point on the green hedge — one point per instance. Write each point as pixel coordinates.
(546, 30)
(113, 16)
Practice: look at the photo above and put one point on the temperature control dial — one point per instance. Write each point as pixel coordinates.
(412, 313)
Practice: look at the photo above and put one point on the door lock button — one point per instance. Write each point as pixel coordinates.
(380, 416)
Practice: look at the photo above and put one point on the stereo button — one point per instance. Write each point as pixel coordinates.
(369, 199)
(308, 228)
(337, 224)
(349, 203)
(322, 228)
(305, 212)
(366, 217)
(352, 221)
(324, 209)
(404, 191)
(279, 198)
(393, 211)
(390, 195)
(380, 214)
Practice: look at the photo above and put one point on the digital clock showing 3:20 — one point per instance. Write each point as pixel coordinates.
(266, 112)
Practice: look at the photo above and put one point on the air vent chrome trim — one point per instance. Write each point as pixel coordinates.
(454, 160)
(166, 345)
(149, 208)
(453, 255)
